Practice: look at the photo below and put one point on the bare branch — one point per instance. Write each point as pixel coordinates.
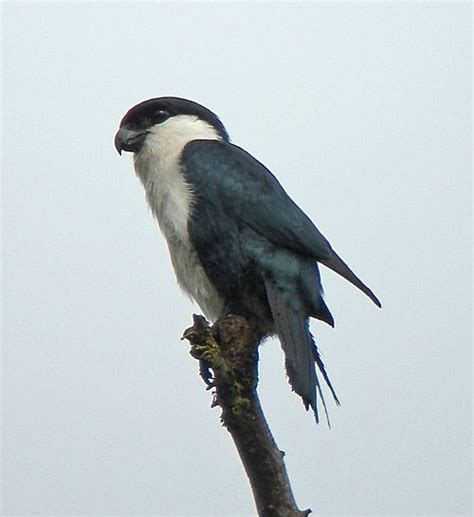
(230, 350)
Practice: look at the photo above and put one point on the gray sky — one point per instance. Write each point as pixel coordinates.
(362, 110)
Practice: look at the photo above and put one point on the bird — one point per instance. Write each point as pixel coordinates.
(238, 243)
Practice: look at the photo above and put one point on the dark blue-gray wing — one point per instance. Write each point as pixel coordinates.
(245, 189)
(251, 193)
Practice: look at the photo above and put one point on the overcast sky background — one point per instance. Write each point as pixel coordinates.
(362, 110)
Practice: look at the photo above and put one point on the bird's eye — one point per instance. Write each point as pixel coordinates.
(160, 116)
(131, 125)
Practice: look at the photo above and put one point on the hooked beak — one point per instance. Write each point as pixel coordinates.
(129, 140)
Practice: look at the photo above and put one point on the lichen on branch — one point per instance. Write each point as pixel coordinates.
(230, 350)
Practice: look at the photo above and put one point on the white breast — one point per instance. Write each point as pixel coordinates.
(171, 201)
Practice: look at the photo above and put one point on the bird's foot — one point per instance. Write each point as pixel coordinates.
(206, 374)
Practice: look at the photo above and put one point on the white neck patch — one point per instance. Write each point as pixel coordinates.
(170, 198)
(158, 167)
(165, 142)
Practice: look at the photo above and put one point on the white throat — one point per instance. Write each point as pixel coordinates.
(170, 197)
(165, 142)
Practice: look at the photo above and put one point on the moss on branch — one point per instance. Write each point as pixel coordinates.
(230, 350)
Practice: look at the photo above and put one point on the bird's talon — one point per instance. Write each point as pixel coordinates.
(206, 374)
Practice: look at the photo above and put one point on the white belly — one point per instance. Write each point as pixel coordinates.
(193, 279)
(189, 272)
(170, 199)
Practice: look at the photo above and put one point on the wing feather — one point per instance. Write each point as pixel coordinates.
(241, 186)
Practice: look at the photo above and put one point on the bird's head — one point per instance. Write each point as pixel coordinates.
(165, 119)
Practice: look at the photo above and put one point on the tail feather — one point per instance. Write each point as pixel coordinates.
(300, 351)
(322, 369)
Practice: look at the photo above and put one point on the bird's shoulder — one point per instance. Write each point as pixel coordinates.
(226, 160)
(230, 177)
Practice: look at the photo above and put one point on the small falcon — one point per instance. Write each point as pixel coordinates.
(238, 243)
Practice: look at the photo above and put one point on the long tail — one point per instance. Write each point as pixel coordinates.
(300, 351)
